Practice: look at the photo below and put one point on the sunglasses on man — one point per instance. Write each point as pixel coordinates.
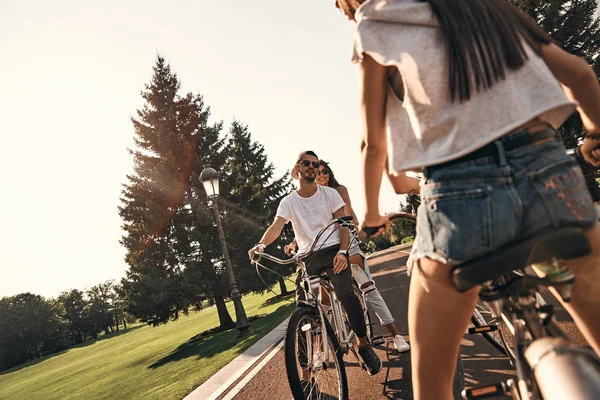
(306, 163)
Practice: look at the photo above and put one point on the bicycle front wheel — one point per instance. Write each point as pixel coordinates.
(313, 372)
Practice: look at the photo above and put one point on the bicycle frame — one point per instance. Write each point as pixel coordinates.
(513, 297)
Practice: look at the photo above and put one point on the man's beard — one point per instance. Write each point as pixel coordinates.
(308, 178)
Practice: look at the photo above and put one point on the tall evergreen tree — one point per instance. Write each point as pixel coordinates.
(252, 195)
(153, 199)
(575, 26)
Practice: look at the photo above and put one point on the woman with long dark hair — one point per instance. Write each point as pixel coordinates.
(469, 92)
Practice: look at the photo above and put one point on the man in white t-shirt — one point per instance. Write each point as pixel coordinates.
(310, 208)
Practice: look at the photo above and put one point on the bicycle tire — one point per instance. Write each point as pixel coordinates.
(297, 322)
(366, 312)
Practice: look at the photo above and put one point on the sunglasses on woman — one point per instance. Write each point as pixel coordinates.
(324, 171)
(306, 163)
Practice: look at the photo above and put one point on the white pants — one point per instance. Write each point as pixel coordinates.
(374, 300)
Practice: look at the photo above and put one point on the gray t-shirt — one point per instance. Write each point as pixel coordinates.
(424, 126)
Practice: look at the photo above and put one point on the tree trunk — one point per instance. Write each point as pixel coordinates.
(225, 320)
(284, 290)
(125, 323)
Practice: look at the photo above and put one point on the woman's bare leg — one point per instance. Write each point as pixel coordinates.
(438, 316)
(584, 306)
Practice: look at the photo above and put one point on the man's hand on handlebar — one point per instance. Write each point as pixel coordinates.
(289, 248)
(260, 247)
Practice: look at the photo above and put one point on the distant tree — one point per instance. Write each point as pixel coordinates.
(79, 326)
(30, 327)
(102, 301)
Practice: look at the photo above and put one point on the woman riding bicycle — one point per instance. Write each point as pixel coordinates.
(470, 93)
(360, 269)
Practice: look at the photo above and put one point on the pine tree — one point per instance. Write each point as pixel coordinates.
(153, 208)
(201, 275)
(252, 195)
(575, 26)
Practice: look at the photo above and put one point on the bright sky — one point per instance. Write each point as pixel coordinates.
(70, 79)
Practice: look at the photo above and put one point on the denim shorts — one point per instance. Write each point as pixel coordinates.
(472, 208)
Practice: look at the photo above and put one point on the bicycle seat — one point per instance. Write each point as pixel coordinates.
(564, 243)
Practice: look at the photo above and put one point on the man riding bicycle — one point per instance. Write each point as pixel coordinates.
(310, 208)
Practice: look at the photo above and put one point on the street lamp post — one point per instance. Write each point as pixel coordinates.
(210, 180)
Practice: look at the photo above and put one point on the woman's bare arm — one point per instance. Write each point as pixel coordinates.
(580, 83)
(348, 210)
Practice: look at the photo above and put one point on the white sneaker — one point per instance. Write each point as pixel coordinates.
(400, 344)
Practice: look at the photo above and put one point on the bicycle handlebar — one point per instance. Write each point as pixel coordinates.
(343, 221)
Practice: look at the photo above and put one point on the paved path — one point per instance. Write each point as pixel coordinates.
(482, 363)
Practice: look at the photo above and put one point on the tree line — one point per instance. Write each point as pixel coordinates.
(33, 326)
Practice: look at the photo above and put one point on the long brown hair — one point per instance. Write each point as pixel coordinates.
(483, 37)
(332, 183)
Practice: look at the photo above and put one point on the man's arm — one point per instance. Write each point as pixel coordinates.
(270, 235)
(344, 234)
(272, 232)
(340, 262)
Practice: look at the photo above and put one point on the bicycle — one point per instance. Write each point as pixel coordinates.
(539, 349)
(316, 336)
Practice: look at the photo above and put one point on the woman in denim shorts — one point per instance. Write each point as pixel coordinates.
(470, 92)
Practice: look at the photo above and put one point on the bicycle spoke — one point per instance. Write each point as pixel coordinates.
(323, 378)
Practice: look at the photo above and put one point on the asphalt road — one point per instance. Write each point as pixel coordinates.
(482, 362)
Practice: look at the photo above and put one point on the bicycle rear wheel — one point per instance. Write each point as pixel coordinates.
(310, 375)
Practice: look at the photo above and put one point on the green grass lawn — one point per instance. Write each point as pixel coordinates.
(144, 362)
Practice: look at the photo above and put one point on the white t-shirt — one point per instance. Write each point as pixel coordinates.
(310, 215)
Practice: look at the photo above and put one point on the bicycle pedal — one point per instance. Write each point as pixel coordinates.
(377, 340)
(482, 329)
(483, 392)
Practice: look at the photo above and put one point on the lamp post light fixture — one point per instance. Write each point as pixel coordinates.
(210, 180)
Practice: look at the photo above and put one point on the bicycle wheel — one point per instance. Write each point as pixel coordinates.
(311, 376)
(502, 338)
(366, 313)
